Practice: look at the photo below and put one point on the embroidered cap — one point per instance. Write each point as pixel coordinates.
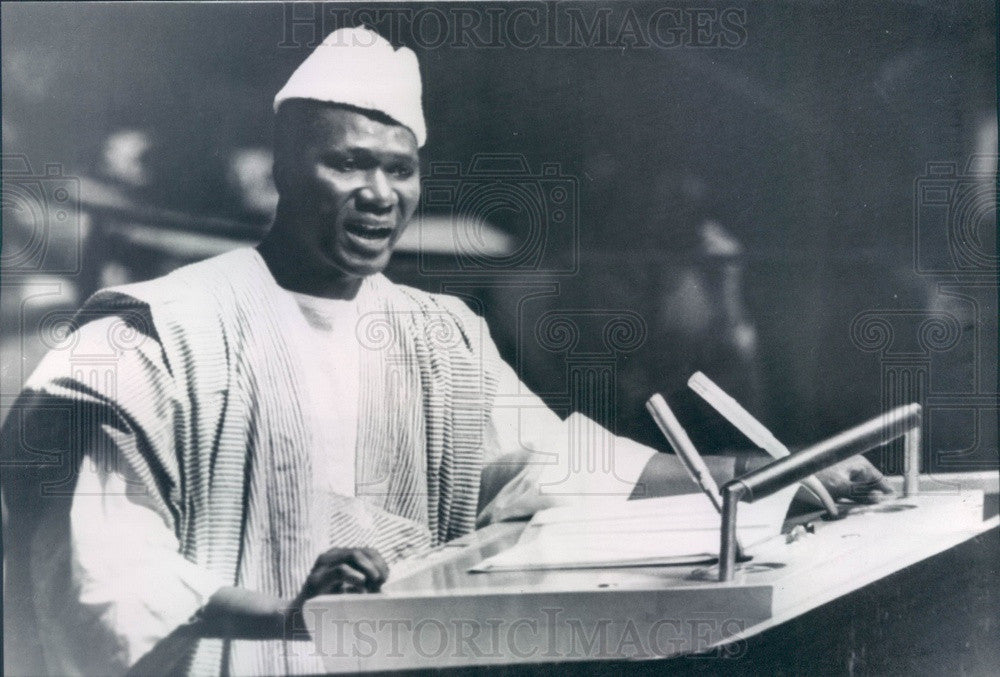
(358, 67)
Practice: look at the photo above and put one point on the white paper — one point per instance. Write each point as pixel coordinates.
(682, 529)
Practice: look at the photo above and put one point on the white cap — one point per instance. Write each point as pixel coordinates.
(358, 67)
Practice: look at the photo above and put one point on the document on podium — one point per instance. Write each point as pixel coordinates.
(673, 530)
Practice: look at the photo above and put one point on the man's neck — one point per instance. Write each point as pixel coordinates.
(291, 270)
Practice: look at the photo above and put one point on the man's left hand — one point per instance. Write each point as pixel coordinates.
(855, 479)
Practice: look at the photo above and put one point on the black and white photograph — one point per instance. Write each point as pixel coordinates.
(500, 338)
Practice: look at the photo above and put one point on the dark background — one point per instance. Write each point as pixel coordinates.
(805, 146)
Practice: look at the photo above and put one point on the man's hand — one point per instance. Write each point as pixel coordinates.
(239, 613)
(340, 570)
(345, 570)
(855, 479)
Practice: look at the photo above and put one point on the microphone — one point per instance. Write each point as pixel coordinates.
(685, 449)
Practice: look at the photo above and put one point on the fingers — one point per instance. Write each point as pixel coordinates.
(340, 570)
(379, 563)
(869, 486)
(883, 485)
(371, 564)
(334, 579)
(868, 498)
(879, 493)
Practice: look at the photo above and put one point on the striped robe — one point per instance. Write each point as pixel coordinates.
(219, 445)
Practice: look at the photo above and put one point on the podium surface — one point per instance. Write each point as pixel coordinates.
(434, 613)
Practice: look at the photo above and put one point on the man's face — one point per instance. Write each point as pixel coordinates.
(351, 184)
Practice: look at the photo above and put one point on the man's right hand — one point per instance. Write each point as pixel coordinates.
(341, 570)
(239, 613)
(337, 571)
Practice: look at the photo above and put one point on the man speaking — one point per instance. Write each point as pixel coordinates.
(275, 423)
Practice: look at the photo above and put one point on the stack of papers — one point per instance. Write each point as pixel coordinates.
(681, 529)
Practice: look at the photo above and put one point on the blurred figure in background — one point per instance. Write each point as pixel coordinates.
(249, 177)
(690, 270)
(125, 158)
(124, 170)
(702, 315)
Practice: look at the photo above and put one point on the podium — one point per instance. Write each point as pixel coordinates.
(433, 613)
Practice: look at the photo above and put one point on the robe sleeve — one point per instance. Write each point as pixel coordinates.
(537, 460)
(108, 577)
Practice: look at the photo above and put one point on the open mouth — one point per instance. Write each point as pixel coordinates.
(369, 232)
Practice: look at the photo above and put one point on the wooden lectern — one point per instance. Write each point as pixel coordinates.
(434, 613)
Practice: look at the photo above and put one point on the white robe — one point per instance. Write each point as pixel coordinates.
(128, 585)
